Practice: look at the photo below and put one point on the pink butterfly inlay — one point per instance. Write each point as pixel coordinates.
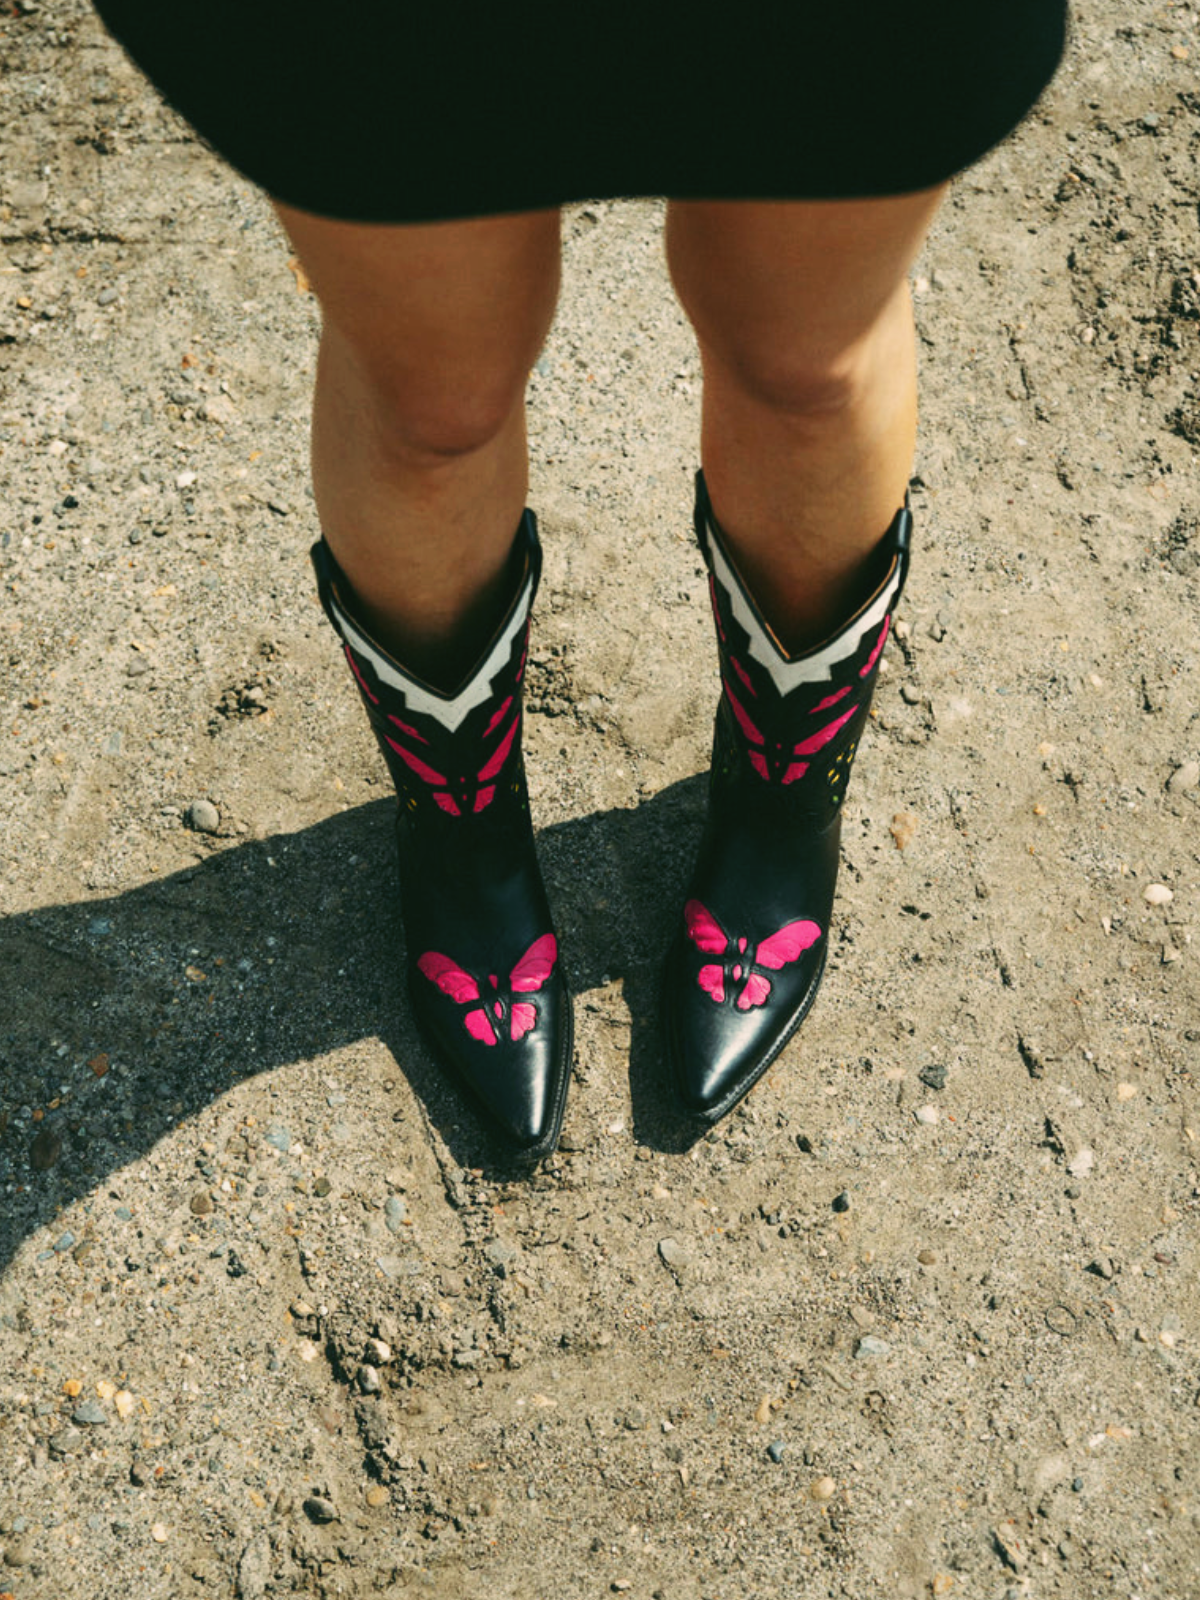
(498, 1012)
(741, 958)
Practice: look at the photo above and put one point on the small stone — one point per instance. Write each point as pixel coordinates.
(322, 1187)
(841, 1202)
(903, 828)
(124, 1403)
(1102, 1267)
(285, 1501)
(869, 1346)
(501, 1254)
(673, 1255)
(1061, 1320)
(202, 817)
(301, 1310)
(942, 1583)
(158, 1532)
(90, 1414)
(1157, 894)
(927, 1115)
(377, 1496)
(108, 297)
(1077, 1485)
(1184, 778)
(378, 1353)
(64, 1242)
(368, 1379)
(318, 1509)
(822, 1489)
(927, 1258)
(933, 1076)
(184, 480)
(66, 1442)
(278, 1138)
(775, 1450)
(1082, 1163)
(395, 1214)
(254, 1567)
(1009, 1546)
(200, 1205)
(45, 1149)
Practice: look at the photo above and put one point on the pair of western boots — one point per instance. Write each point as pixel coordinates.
(485, 976)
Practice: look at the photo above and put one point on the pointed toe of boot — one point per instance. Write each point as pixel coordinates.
(517, 1080)
(718, 1043)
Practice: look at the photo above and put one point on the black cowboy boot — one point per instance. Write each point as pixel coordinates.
(483, 971)
(746, 963)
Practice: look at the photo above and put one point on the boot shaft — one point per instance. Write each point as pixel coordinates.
(450, 755)
(793, 721)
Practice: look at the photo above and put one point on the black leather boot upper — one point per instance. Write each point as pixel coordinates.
(486, 983)
(748, 957)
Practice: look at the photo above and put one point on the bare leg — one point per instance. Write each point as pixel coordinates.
(419, 455)
(806, 338)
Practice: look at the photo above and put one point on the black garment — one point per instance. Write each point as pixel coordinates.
(389, 111)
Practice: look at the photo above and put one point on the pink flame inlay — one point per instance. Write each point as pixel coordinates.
(831, 700)
(362, 682)
(742, 674)
(492, 766)
(739, 711)
(404, 728)
(421, 768)
(810, 746)
(879, 643)
(498, 718)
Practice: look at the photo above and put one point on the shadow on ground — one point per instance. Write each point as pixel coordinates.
(123, 1016)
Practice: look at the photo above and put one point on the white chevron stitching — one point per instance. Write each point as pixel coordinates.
(815, 667)
(450, 711)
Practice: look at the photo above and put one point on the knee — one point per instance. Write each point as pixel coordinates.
(798, 382)
(436, 421)
(442, 415)
(428, 410)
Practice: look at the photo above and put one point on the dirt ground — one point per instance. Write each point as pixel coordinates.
(920, 1318)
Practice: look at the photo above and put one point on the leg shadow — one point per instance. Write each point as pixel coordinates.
(122, 1017)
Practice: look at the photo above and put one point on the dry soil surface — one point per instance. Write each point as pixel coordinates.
(922, 1317)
